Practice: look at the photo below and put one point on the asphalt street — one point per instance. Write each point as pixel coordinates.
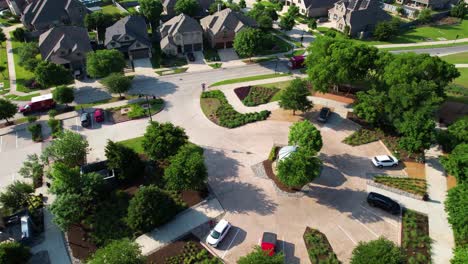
(436, 51)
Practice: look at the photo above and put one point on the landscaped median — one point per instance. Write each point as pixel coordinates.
(216, 108)
(250, 78)
(136, 110)
(318, 247)
(415, 240)
(255, 95)
(411, 187)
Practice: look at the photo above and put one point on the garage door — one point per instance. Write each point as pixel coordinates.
(220, 45)
(140, 54)
(188, 48)
(198, 47)
(229, 44)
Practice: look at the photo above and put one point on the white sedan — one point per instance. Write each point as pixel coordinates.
(385, 161)
(218, 233)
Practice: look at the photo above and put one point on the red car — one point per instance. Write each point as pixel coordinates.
(99, 115)
(268, 243)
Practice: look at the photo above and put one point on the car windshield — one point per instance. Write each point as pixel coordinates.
(215, 234)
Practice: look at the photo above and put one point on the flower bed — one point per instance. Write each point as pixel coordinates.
(415, 240)
(223, 114)
(255, 95)
(411, 185)
(318, 247)
(136, 110)
(363, 136)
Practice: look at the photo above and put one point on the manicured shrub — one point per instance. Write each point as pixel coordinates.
(298, 169)
(13, 253)
(319, 248)
(136, 111)
(55, 126)
(259, 95)
(36, 132)
(363, 136)
(377, 251)
(122, 251)
(456, 206)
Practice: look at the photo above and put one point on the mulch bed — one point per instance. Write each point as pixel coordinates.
(449, 112)
(172, 250)
(267, 164)
(325, 254)
(242, 92)
(79, 242)
(192, 198)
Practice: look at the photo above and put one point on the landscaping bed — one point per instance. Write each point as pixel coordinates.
(268, 166)
(363, 136)
(255, 95)
(415, 240)
(411, 185)
(318, 247)
(137, 110)
(219, 111)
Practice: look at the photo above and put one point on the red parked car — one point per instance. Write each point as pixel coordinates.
(297, 62)
(99, 115)
(268, 243)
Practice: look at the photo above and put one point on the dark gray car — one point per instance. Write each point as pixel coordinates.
(383, 202)
(85, 119)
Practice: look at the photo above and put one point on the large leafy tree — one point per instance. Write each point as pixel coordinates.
(459, 10)
(27, 55)
(124, 161)
(104, 62)
(63, 95)
(287, 22)
(187, 170)
(417, 129)
(298, 169)
(294, 97)
(188, 7)
(65, 179)
(258, 256)
(68, 148)
(162, 140)
(306, 136)
(456, 206)
(16, 196)
(152, 10)
(7, 109)
(68, 209)
(50, 74)
(456, 163)
(377, 251)
(99, 21)
(370, 106)
(458, 131)
(117, 83)
(150, 208)
(248, 42)
(122, 251)
(12, 252)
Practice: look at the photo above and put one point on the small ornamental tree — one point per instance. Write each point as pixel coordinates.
(162, 140)
(298, 169)
(104, 62)
(7, 109)
(150, 208)
(32, 168)
(294, 97)
(425, 15)
(68, 209)
(258, 256)
(187, 170)
(124, 160)
(16, 196)
(248, 42)
(117, 83)
(456, 163)
(188, 7)
(12, 252)
(306, 136)
(122, 251)
(18, 34)
(68, 148)
(50, 74)
(287, 22)
(459, 10)
(63, 95)
(456, 207)
(312, 24)
(377, 251)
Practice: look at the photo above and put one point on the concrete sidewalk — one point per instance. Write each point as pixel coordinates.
(181, 225)
(462, 65)
(429, 43)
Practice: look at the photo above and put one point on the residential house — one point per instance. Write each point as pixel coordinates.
(67, 46)
(17, 6)
(359, 16)
(40, 15)
(312, 8)
(3, 4)
(181, 34)
(169, 5)
(434, 4)
(221, 27)
(130, 36)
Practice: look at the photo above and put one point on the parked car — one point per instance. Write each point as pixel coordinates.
(297, 62)
(385, 161)
(322, 19)
(38, 103)
(383, 202)
(324, 114)
(99, 115)
(268, 243)
(218, 233)
(190, 56)
(85, 119)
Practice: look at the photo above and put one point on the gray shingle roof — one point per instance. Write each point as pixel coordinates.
(227, 19)
(319, 3)
(181, 23)
(47, 10)
(134, 26)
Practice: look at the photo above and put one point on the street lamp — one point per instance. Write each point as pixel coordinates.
(149, 105)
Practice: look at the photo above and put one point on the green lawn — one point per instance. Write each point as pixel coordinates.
(456, 58)
(250, 78)
(295, 53)
(22, 98)
(134, 143)
(110, 9)
(3, 61)
(22, 75)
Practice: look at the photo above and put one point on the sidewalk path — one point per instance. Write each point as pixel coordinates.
(11, 61)
(429, 43)
(464, 65)
(181, 225)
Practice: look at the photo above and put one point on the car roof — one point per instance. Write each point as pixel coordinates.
(269, 238)
(382, 197)
(383, 157)
(221, 225)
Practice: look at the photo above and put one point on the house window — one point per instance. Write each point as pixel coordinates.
(335, 17)
(340, 26)
(303, 11)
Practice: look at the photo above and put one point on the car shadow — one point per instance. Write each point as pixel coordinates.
(330, 177)
(234, 237)
(288, 249)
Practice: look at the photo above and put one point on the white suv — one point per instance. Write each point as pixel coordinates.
(218, 233)
(384, 161)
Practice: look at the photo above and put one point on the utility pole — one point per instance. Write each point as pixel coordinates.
(149, 105)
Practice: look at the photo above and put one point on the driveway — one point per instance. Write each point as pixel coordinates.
(143, 66)
(199, 63)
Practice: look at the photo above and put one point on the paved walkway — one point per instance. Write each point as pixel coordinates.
(11, 62)
(429, 43)
(181, 225)
(463, 65)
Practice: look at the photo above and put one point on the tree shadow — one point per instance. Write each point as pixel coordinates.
(151, 86)
(90, 94)
(234, 238)
(330, 177)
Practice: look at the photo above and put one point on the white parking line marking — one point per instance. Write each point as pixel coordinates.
(234, 238)
(393, 224)
(347, 235)
(368, 229)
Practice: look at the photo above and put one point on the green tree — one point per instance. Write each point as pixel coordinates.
(294, 97)
(16, 196)
(312, 24)
(27, 55)
(265, 22)
(459, 10)
(163, 140)
(188, 7)
(460, 255)
(99, 21)
(377, 251)
(293, 10)
(425, 16)
(418, 131)
(298, 169)
(117, 83)
(258, 256)
(125, 161)
(242, 4)
(122, 251)
(65, 179)
(14, 253)
(457, 210)
(287, 22)
(18, 34)
(68, 148)
(150, 208)
(7, 109)
(305, 135)
(2, 38)
(152, 9)
(68, 209)
(187, 170)
(63, 95)
(104, 62)
(50, 74)
(370, 106)
(458, 131)
(384, 30)
(456, 163)
(32, 167)
(214, 6)
(400, 10)
(248, 42)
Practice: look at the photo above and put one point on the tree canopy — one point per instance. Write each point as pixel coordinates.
(7, 109)
(125, 161)
(101, 63)
(305, 135)
(67, 209)
(258, 256)
(248, 42)
(63, 95)
(456, 163)
(162, 140)
(287, 22)
(151, 10)
(99, 21)
(122, 251)
(12, 252)
(377, 251)
(456, 207)
(68, 148)
(50, 74)
(459, 10)
(27, 55)
(298, 169)
(294, 97)
(188, 7)
(117, 83)
(16, 196)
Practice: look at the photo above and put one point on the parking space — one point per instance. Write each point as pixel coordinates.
(74, 123)
(198, 64)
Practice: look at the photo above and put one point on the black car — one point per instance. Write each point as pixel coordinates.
(85, 120)
(324, 114)
(190, 56)
(383, 202)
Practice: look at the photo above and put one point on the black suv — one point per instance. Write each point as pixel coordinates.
(191, 56)
(324, 114)
(383, 202)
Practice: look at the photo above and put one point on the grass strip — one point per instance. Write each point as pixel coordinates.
(250, 78)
